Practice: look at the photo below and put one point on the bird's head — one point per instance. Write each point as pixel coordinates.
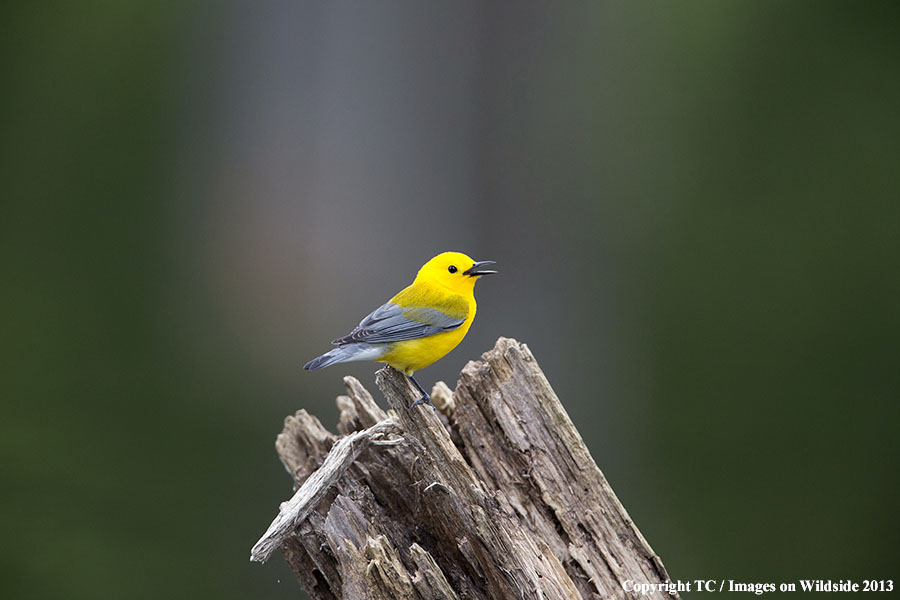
(454, 270)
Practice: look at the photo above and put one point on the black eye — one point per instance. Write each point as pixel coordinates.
(452, 269)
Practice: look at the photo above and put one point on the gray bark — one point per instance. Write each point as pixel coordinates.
(495, 497)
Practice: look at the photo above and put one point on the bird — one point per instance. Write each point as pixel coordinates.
(419, 325)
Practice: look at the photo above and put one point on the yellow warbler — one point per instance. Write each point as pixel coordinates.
(419, 325)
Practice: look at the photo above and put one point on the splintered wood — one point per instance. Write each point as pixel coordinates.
(497, 497)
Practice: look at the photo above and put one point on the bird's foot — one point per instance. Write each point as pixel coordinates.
(425, 399)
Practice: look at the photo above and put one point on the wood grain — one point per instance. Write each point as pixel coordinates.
(495, 497)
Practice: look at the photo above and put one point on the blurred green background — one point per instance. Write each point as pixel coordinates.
(695, 209)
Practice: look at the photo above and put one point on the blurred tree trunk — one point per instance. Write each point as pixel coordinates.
(496, 497)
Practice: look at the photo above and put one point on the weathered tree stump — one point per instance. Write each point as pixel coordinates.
(495, 498)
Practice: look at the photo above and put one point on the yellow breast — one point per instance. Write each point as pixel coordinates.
(411, 355)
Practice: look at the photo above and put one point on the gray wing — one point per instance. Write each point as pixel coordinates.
(392, 323)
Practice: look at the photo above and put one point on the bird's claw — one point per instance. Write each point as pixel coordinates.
(425, 399)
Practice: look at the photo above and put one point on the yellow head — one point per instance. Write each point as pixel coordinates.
(453, 270)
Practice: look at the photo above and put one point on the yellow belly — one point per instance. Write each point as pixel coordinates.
(411, 355)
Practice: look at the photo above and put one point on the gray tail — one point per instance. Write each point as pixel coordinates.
(341, 354)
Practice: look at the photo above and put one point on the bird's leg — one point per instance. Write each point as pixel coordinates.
(425, 397)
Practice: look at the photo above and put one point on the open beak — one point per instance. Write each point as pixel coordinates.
(477, 269)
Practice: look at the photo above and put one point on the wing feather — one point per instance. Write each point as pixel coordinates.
(392, 323)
